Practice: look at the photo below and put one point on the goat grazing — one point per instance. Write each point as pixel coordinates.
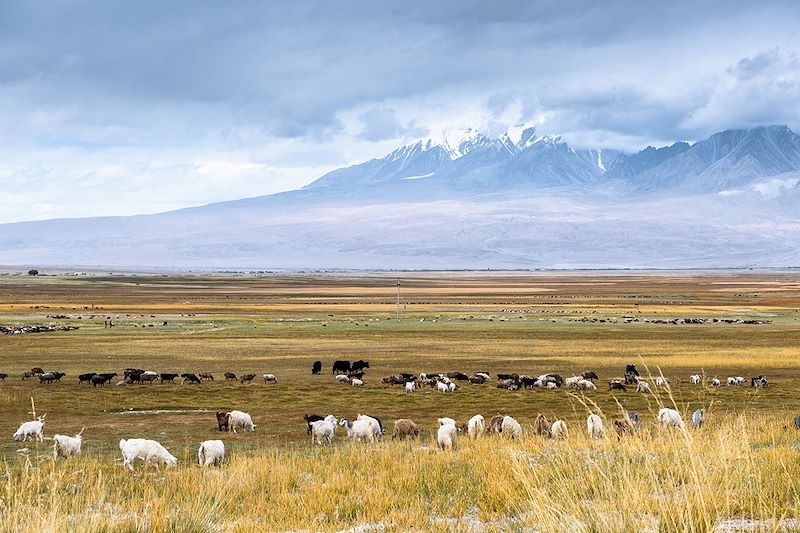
(211, 453)
(146, 451)
(65, 446)
(476, 426)
(404, 428)
(594, 426)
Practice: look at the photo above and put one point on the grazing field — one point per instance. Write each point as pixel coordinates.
(742, 464)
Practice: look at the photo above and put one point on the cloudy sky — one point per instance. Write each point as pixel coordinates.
(114, 107)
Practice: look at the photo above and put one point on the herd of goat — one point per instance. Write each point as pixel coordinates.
(322, 429)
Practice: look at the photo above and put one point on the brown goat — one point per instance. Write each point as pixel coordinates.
(404, 428)
(223, 421)
(495, 424)
(541, 426)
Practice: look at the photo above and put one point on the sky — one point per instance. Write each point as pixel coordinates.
(116, 108)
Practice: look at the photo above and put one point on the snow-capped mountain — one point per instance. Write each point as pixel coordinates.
(467, 199)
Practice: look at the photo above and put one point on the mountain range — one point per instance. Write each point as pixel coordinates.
(468, 200)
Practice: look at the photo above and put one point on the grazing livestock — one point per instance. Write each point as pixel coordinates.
(100, 380)
(357, 374)
(146, 451)
(32, 429)
(404, 428)
(715, 382)
(635, 418)
(796, 422)
(513, 377)
(511, 428)
(316, 368)
(211, 453)
(442, 386)
(541, 426)
(624, 427)
(740, 380)
(616, 385)
(65, 446)
(631, 378)
(36, 371)
(190, 379)
(322, 431)
(495, 424)
(342, 379)
(340, 367)
(86, 378)
(698, 417)
(661, 382)
(572, 382)
(585, 384)
(223, 421)
(695, 379)
(759, 383)
(148, 377)
(359, 366)
(240, 420)
(590, 376)
(732, 382)
(594, 426)
(411, 386)
(446, 436)
(484, 375)
(355, 382)
(230, 376)
(25, 376)
(168, 377)
(269, 378)
(476, 426)
(48, 377)
(359, 430)
(3, 377)
(207, 375)
(669, 418)
(643, 387)
(631, 369)
(458, 376)
(376, 423)
(477, 380)
(247, 378)
(559, 430)
(311, 418)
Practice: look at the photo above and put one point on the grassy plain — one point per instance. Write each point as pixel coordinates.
(525, 323)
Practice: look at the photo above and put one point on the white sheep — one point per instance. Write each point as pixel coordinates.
(211, 453)
(66, 446)
(698, 417)
(552, 385)
(740, 380)
(240, 420)
(342, 378)
(476, 426)
(669, 418)
(376, 424)
(355, 382)
(446, 436)
(359, 429)
(594, 426)
(585, 384)
(511, 428)
(643, 387)
(32, 429)
(715, 382)
(445, 420)
(661, 382)
(147, 451)
(269, 378)
(452, 387)
(441, 386)
(572, 382)
(695, 379)
(559, 430)
(411, 386)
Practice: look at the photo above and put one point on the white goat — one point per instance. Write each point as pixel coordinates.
(698, 417)
(211, 453)
(594, 426)
(445, 420)
(376, 424)
(585, 384)
(411, 386)
(484, 375)
(66, 446)
(715, 382)
(661, 382)
(240, 420)
(359, 429)
(511, 428)
(559, 430)
(441, 386)
(572, 382)
(643, 387)
(446, 436)
(355, 382)
(269, 378)
(342, 379)
(669, 418)
(32, 429)
(695, 379)
(147, 451)
(476, 426)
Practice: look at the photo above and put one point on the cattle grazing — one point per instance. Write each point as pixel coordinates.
(495, 424)
(309, 419)
(359, 365)
(358, 430)
(211, 453)
(340, 367)
(316, 368)
(269, 378)
(223, 421)
(230, 376)
(669, 418)
(476, 426)
(65, 446)
(32, 429)
(695, 379)
(207, 375)
(247, 378)
(190, 379)
(616, 385)
(511, 428)
(594, 427)
(559, 430)
(541, 426)
(146, 451)
(698, 418)
(86, 378)
(589, 375)
(240, 420)
(404, 428)
(446, 436)
(168, 377)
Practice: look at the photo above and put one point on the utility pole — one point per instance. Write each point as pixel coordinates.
(398, 300)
